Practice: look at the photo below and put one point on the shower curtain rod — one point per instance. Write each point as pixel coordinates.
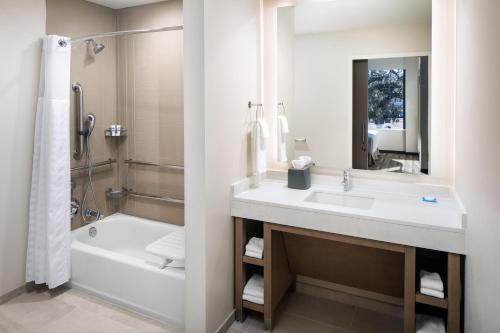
(124, 32)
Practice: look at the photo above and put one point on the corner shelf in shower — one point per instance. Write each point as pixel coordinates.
(116, 194)
(115, 133)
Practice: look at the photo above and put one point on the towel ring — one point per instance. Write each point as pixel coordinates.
(258, 107)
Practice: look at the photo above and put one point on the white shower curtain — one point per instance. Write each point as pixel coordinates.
(49, 236)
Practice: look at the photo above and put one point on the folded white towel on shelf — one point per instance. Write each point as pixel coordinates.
(431, 280)
(255, 244)
(429, 324)
(254, 254)
(255, 287)
(256, 300)
(432, 292)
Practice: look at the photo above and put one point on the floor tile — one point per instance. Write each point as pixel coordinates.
(8, 326)
(319, 309)
(367, 321)
(130, 319)
(67, 310)
(34, 309)
(288, 323)
(83, 321)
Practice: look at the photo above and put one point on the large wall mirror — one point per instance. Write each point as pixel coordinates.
(354, 78)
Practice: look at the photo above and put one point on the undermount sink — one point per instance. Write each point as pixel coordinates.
(339, 199)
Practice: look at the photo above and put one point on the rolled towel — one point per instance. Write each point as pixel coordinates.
(255, 245)
(429, 324)
(256, 300)
(255, 286)
(254, 254)
(430, 280)
(432, 292)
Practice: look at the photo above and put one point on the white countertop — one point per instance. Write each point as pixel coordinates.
(398, 214)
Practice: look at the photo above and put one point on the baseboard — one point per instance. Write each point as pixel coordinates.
(13, 293)
(224, 327)
(348, 295)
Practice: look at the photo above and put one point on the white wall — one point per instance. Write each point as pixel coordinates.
(194, 165)
(442, 91)
(322, 83)
(225, 51)
(22, 24)
(478, 157)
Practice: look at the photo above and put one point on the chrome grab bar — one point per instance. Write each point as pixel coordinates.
(155, 197)
(77, 88)
(99, 164)
(167, 166)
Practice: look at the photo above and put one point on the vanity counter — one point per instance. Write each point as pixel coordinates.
(393, 215)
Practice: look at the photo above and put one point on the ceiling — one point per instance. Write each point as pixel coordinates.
(117, 4)
(314, 16)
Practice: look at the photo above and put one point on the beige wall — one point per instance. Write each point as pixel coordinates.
(137, 82)
(194, 147)
(225, 56)
(150, 99)
(478, 159)
(22, 24)
(97, 75)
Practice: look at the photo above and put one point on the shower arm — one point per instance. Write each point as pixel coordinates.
(77, 88)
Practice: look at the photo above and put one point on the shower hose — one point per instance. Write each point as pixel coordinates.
(89, 186)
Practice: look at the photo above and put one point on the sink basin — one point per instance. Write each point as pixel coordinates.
(339, 199)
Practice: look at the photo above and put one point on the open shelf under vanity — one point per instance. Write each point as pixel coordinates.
(287, 253)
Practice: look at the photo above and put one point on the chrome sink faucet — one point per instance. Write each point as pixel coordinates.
(347, 180)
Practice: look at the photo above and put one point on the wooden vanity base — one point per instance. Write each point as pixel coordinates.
(280, 269)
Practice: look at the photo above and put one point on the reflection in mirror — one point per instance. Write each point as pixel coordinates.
(354, 77)
(390, 114)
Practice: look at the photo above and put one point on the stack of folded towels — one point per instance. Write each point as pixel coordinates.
(254, 289)
(429, 324)
(431, 284)
(255, 248)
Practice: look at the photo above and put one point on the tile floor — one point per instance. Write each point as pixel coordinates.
(301, 313)
(70, 311)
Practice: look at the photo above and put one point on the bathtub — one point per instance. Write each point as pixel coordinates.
(113, 265)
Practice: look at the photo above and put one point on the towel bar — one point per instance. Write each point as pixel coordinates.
(99, 164)
(167, 166)
(155, 197)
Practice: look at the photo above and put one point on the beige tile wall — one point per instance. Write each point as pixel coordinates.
(97, 76)
(150, 100)
(137, 82)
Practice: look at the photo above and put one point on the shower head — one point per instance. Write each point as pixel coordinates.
(96, 47)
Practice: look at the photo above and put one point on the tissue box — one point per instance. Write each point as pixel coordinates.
(299, 179)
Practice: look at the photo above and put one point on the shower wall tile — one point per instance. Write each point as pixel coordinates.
(137, 82)
(150, 105)
(97, 75)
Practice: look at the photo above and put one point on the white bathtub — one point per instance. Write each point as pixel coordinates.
(114, 265)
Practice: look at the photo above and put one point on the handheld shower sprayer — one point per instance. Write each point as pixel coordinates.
(91, 123)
